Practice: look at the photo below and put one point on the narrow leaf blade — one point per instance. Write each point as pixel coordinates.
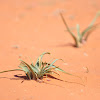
(91, 24)
(68, 29)
(11, 70)
(30, 68)
(41, 56)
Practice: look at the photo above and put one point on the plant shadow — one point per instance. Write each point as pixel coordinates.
(50, 76)
(66, 45)
(23, 78)
(17, 77)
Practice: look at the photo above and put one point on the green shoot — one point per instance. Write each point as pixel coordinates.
(81, 36)
(40, 68)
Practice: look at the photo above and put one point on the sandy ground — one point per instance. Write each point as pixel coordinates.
(31, 27)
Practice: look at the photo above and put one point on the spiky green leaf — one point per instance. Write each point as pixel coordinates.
(91, 24)
(78, 31)
(40, 59)
(68, 29)
(30, 69)
(11, 70)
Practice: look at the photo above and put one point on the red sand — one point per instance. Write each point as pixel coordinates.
(31, 27)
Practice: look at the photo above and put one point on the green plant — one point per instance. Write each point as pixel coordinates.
(40, 69)
(81, 36)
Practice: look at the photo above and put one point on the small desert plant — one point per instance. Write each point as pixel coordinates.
(81, 36)
(40, 69)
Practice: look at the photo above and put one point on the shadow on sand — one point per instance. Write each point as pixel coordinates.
(23, 78)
